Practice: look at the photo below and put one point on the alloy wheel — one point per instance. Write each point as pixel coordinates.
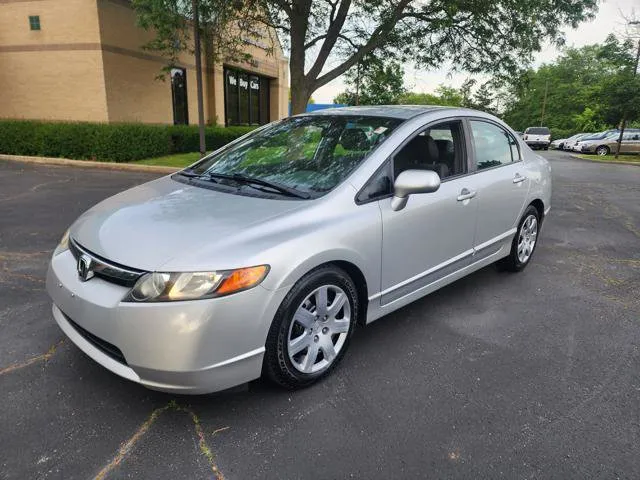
(527, 238)
(319, 329)
(602, 151)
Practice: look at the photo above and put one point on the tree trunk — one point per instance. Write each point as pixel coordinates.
(300, 93)
(299, 99)
(623, 124)
(196, 41)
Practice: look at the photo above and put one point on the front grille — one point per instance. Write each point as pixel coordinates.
(102, 345)
(106, 269)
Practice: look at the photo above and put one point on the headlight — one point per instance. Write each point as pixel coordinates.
(168, 287)
(63, 245)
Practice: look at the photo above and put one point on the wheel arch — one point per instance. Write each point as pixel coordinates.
(360, 282)
(349, 264)
(539, 206)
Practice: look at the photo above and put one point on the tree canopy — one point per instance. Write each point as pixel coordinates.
(326, 38)
(373, 82)
(588, 89)
(225, 27)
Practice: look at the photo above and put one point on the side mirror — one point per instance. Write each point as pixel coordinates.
(410, 182)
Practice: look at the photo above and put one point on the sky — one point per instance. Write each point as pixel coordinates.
(608, 19)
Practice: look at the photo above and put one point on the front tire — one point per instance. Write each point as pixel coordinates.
(312, 328)
(602, 150)
(524, 243)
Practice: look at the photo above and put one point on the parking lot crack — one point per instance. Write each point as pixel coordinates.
(39, 358)
(128, 445)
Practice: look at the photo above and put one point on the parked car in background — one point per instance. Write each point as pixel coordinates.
(577, 147)
(605, 146)
(571, 141)
(537, 137)
(558, 144)
(263, 256)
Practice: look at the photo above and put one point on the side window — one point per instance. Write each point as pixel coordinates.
(515, 151)
(493, 145)
(439, 147)
(380, 185)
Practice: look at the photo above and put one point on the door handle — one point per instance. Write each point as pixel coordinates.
(466, 194)
(519, 178)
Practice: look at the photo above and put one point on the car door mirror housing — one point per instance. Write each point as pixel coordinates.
(411, 182)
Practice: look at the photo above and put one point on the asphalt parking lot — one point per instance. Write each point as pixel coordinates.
(532, 375)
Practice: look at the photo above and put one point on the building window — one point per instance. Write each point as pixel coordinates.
(246, 98)
(179, 96)
(34, 22)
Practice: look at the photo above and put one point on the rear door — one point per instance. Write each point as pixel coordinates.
(502, 185)
(630, 143)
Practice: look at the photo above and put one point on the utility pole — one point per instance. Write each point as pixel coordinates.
(196, 41)
(544, 101)
(623, 123)
(358, 84)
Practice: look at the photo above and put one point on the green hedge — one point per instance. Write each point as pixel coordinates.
(107, 142)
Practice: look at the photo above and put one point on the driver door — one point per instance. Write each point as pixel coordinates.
(432, 236)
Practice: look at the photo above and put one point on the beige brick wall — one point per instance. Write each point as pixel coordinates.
(62, 21)
(55, 73)
(133, 92)
(53, 85)
(87, 63)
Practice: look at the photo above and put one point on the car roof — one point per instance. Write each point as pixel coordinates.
(403, 112)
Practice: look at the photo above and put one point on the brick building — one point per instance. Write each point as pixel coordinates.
(82, 60)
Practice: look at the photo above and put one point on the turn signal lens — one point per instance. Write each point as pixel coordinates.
(242, 279)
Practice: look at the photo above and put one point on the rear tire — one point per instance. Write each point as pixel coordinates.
(306, 339)
(524, 242)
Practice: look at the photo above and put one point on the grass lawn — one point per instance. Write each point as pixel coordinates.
(609, 158)
(179, 160)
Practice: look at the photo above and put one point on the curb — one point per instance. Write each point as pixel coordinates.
(89, 164)
(618, 162)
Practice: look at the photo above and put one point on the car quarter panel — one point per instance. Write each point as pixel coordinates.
(331, 228)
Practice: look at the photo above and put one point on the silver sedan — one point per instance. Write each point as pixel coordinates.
(263, 256)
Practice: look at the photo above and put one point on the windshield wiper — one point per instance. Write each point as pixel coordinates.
(191, 174)
(241, 178)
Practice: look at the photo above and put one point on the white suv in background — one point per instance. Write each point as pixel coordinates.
(537, 137)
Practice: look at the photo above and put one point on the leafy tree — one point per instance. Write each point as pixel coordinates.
(373, 82)
(417, 98)
(443, 95)
(587, 89)
(481, 36)
(179, 25)
(587, 121)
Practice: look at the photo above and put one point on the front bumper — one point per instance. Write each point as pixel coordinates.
(197, 346)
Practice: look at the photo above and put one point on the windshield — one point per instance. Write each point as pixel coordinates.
(311, 154)
(537, 131)
(599, 136)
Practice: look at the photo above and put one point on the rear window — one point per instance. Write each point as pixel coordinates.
(537, 131)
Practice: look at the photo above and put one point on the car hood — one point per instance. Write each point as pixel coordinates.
(149, 225)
